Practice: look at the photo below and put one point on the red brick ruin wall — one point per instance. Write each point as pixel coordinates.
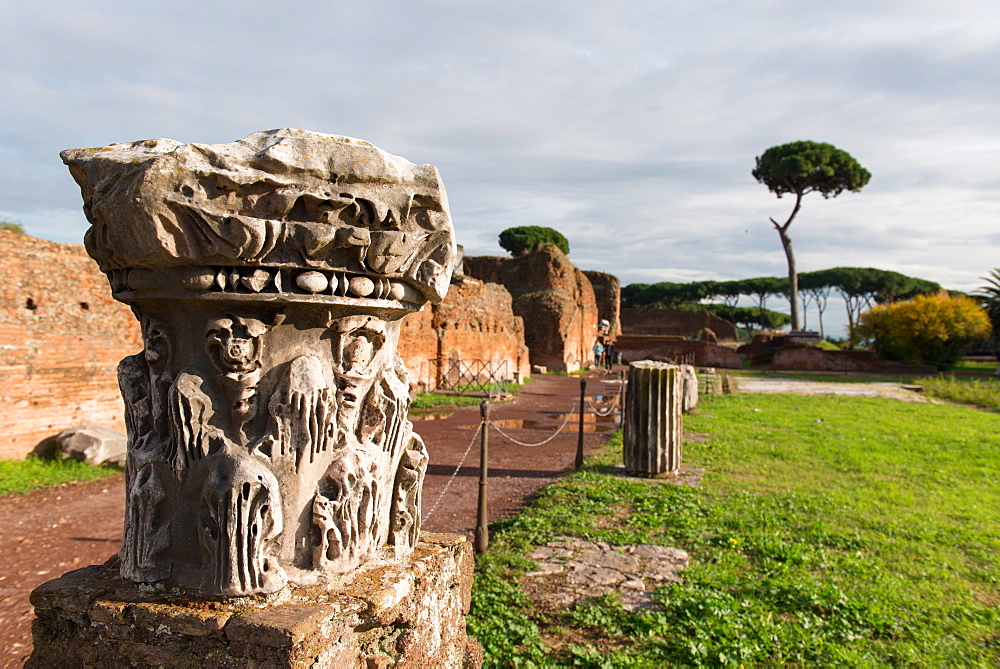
(61, 337)
(608, 294)
(59, 358)
(555, 299)
(676, 323)
(474, 322)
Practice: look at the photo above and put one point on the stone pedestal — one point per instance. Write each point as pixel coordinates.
(653, 431)
(404, 612)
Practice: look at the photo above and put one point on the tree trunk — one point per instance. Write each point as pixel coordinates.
(820, 310)
(793, 278)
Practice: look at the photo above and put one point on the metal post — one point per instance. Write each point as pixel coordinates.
(579, 442)
(482, 538)
(621, 398)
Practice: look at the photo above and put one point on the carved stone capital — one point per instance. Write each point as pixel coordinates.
(267, 415)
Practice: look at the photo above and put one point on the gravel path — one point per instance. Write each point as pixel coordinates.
(896, 391)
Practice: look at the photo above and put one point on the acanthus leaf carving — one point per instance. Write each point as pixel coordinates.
(267, 413)
(404, 519)
(239, 522)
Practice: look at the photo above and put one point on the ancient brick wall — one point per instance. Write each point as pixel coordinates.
(489, 269)
(677, 323)
(680, 351)
(474, 322)
(555, 299)
(61, 337)
(420, 348)
(608, 294)
(815, 359)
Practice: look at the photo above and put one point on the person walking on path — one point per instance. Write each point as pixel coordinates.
(598, 355)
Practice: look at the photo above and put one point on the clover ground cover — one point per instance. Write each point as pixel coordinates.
(827, 530)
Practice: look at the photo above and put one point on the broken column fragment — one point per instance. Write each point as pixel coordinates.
(267, 414)
(653, 431)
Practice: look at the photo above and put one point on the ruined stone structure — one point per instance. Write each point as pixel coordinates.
(61, 337)
(268, 437)
(694, 337)
(475, 321)
(677, 323)
(555, 299)
(689, 388)
(404, 613)
(698, 353)
(653, 431)
(608, 295)
(815, 359)
(488, 269)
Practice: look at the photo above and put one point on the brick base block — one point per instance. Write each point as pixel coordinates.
(394, 613)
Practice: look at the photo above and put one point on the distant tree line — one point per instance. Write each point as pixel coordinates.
(860, 287)
(749, 317)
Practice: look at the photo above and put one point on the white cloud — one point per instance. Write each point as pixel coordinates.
(630, 127)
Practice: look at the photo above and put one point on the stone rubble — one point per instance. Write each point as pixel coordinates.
(94, 444)
(571, 570)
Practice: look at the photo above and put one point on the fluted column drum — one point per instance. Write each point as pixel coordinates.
(653, 430)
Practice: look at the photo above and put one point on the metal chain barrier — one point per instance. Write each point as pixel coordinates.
(489, 423)
(506, 436)
(612, 407)
(454, 473)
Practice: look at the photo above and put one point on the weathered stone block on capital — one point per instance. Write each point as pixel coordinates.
(267, 414)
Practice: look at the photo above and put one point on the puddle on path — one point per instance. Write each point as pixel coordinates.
(431, 415)
(608, 421)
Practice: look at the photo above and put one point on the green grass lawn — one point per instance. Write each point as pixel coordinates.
(827, 531)
(983, 391)
(20, 476)
(442, 401)
(439, 401)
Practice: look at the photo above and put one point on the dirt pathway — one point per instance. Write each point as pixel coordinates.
(48, 532)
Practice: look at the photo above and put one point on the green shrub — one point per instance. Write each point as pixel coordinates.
(933, 329)
(11, 226)
(528, 238)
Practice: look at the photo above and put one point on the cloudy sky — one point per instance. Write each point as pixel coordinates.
(631, 127)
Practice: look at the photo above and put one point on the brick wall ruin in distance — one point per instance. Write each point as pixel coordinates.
(666, 335)
(474, 322)
(608, 294)
(61, 337)
(555, 299)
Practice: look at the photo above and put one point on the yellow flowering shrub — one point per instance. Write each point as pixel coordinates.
(934, 329)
